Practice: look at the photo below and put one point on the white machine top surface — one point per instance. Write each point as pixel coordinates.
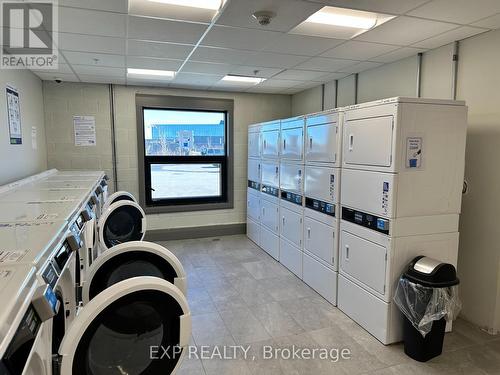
(37, 211)
(402, 99)
(16, 284)
(96, 174)
(29, 243)
(65, 184)
(30, 194)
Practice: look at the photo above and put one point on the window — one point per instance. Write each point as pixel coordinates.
(185, 150)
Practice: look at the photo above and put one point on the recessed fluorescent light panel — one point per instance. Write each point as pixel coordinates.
(202, 4)
(179, 10)
(150, 74)
(340, 23)
(243, 79)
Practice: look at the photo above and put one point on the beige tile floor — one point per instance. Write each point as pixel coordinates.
(239, 295)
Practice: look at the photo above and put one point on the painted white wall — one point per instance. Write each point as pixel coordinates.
(307, 101)
(19, 161)
(330, 94)
(64, 101)
(478, 84)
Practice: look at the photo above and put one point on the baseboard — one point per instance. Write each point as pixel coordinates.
(195, 232)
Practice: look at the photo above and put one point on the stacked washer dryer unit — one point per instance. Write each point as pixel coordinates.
(321, 213)
(402, 177)
(270, 187)
(291, 193)
(253, 183)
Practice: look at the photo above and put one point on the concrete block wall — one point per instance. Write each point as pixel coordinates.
(63, 101)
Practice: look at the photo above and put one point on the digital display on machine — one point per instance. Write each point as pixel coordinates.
(270, 190)
(62, 255)
(291, 197)
(80, 221)
(50, 276)
(253, 185)
(376, 223)
(320, 206)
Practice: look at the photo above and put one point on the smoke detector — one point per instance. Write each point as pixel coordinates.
(264, 17)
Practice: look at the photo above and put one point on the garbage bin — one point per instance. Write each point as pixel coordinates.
(427, 294)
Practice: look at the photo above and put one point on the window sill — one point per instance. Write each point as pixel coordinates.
(188, 208)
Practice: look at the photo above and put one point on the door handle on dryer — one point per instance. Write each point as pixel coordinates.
(310, 143)
(309, 233)
(284, 144)
(346, 252)
(351, 141)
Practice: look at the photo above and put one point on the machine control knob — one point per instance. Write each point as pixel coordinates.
(106, 177)
(99, 190)
(93, 199)
(45, 302)
(73, 242)
(104, 183)
(86, 215)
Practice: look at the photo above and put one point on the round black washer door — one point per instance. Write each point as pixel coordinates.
(120, 339)
(124, 224)
(130, 264)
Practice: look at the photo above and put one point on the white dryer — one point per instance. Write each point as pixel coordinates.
(132, 259)
(125, 330)
(118, 196)
(28, 306)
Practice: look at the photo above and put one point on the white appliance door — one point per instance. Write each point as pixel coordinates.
(292, 144)
(270, 242)
(110, 334)
(321, 183)
(363, 260)
(270, 144)
(270, 173)
(321, 143)
(254, 144)
(368, 141)
(253, 205)
(371, 192)
(254, 170)
(269, 215)
(253, 230)
(123, 221)
(292, 177)
(291, 257)
(320, 240)
(291, 226)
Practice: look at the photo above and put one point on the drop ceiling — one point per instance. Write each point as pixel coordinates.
(99, 40)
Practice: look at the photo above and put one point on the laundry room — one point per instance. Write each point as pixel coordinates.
(205, 187)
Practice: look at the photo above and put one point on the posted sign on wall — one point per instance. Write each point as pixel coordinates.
(14, 116)
(84, 130)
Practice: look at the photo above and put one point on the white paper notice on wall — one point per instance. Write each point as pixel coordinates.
(14, 116)
(34, 144)
(414, 152)
(85, 134)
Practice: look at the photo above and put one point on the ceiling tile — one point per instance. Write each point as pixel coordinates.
(49, 76)
(148, 82)
(92, 22)
(492, 22)
(356, 50)
(98, 71)
(160, 30)
(61, 69)
(120, 6)
(222, 55)
(324, 64)
(258, 71)
(300, 75)
(237, 38)
(102, 79)
(457, 11)
(380, 6)
(97, 59)
(150, 63)
(206, 68)
(404, 31)
(302, 44)
(449, 37)
(266, 90)
(360, 67)
(91, 43)
(275, 60)
(399, 54)
(289, 13)
(197, 79)
(333, 76)
(284, 83)
(158, 49)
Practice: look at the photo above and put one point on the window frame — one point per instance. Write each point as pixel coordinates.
(183, 103)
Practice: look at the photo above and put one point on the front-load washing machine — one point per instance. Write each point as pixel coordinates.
(123, 221)
(132, 259)
(118, 196)
(137, 326)
(28, 306)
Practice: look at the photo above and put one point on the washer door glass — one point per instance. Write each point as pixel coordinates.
(130, 264)
(121, 338)
(123, 224)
